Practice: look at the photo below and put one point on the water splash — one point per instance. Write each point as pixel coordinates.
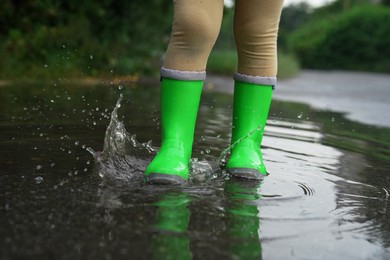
(222, 157)
(124, 158)
(206, 170)
(203, 170)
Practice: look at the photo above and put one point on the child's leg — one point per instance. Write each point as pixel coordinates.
(256, 24)
(255, 29)
(195, 28)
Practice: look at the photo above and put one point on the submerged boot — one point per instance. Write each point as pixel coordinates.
(250, 110)
(179, 108)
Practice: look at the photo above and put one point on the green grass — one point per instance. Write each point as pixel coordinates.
(224, 62)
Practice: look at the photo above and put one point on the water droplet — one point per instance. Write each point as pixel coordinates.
(120, 87)
(150, 147)
(39, 167)
(300, 115)
(91, 57)
(76, 142)
(38, 179)
(45, 65)
(52, 165)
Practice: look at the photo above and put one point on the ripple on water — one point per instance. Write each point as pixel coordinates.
(303, 197)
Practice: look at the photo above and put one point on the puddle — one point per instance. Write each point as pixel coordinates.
(327, 195)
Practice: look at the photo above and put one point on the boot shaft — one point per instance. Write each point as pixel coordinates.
(179, 109)
(250, 111)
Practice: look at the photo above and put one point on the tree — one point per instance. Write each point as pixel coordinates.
(385, 2)
(356, 40)
(293, 16)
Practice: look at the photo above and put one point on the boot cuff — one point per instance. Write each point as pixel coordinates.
(182, 75)
(258, 80)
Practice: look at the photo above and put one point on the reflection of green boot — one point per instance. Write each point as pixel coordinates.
(172, 221)
(251, 106)
(173, 213)
(243, 218)
(179, 108)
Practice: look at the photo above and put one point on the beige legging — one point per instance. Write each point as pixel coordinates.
(196, 24)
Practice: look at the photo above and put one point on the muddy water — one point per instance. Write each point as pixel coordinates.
(327, 195)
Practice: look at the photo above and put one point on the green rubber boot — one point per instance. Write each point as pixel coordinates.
(250, 110)
(179, 108)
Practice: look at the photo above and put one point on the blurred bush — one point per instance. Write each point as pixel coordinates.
(224, 62)
(356, 39)
(49, 38)
(55, 39)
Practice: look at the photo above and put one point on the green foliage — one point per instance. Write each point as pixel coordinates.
(337, 7)
(225, 62)
(293, 17)
(356, 39)
(225, 38)
(305, 42)
(81, 37)
(288, 65)
(222, 61)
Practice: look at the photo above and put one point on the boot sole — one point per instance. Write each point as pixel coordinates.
(164, 179)
(246, 173)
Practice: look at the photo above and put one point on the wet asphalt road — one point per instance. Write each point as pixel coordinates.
(363, 97)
